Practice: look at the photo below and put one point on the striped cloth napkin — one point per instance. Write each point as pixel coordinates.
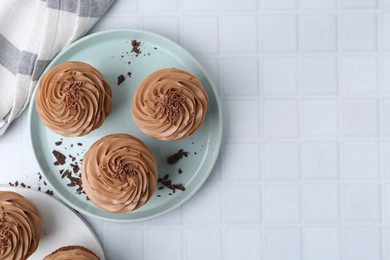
(32, 32)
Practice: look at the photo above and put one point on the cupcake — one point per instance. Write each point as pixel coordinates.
(119, 173)
(169, 104)
(73, 99)
(20, 226)
(71, 253)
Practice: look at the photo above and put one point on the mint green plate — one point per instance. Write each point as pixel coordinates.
(110, 52)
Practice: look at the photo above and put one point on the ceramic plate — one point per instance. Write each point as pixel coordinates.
(111, 53)
(61, 226)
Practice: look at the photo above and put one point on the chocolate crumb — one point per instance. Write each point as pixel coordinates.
(136, 44)
(195, 153)
(11, 184)
(23, 185)
(16, 183)
(71, 145)
(58, 143)
(159, 195)
(50, 192)
(161, 187)
(75, 167)
(39, 188)
(170, 194)
(121, 78)
(180, 171)
(177, 156)
(79, 144)
(61, 159)
(155, 48)
(129, 74)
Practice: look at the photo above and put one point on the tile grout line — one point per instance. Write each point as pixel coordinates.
(300, 128)
(340, 186)
(263, 234)
(379, 76)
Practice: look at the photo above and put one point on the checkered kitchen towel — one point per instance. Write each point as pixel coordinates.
(32, 32)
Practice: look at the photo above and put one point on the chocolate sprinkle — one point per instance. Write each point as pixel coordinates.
(50, 192)
(75, 167)
(180, 171)
(168, 183)
(74, 181)
(61, 159)
(23, 185)
(177, 156)
(121, 78)
(58, 143)
(129, 74)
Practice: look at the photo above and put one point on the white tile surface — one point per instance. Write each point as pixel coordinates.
(304, 170)
(242, 207)
(235, 71)
(360, 117)
(243, 243)
(237, 34)
(320, 160)
(288, 153)
(362, 203)
(279, 76)
(194, 31)
(283, 244)
(282, 204)
(157, 244)
(318, 33)
(281, 118)
(359, 75)
(204, 243)
(279, 33)
(358, 32)
(319, 75)
(320, 118)
(321, 203)
(322, 243)
(362, 243)
(361, 160)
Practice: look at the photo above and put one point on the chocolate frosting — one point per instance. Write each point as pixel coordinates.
(119, 173)
(20, 226)
(72, 253)
(169, 104)
(73, 98)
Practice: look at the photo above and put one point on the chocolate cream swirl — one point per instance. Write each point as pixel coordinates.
(72, 253)
(20, 226)
(73, 99)
(119, 173)
(169, 104)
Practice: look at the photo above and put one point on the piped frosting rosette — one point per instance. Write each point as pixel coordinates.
(20, 226)
(73, 99)
(72, 253)
(119, 173)
(169, 104)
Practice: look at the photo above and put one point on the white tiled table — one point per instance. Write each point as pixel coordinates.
(304, 171)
